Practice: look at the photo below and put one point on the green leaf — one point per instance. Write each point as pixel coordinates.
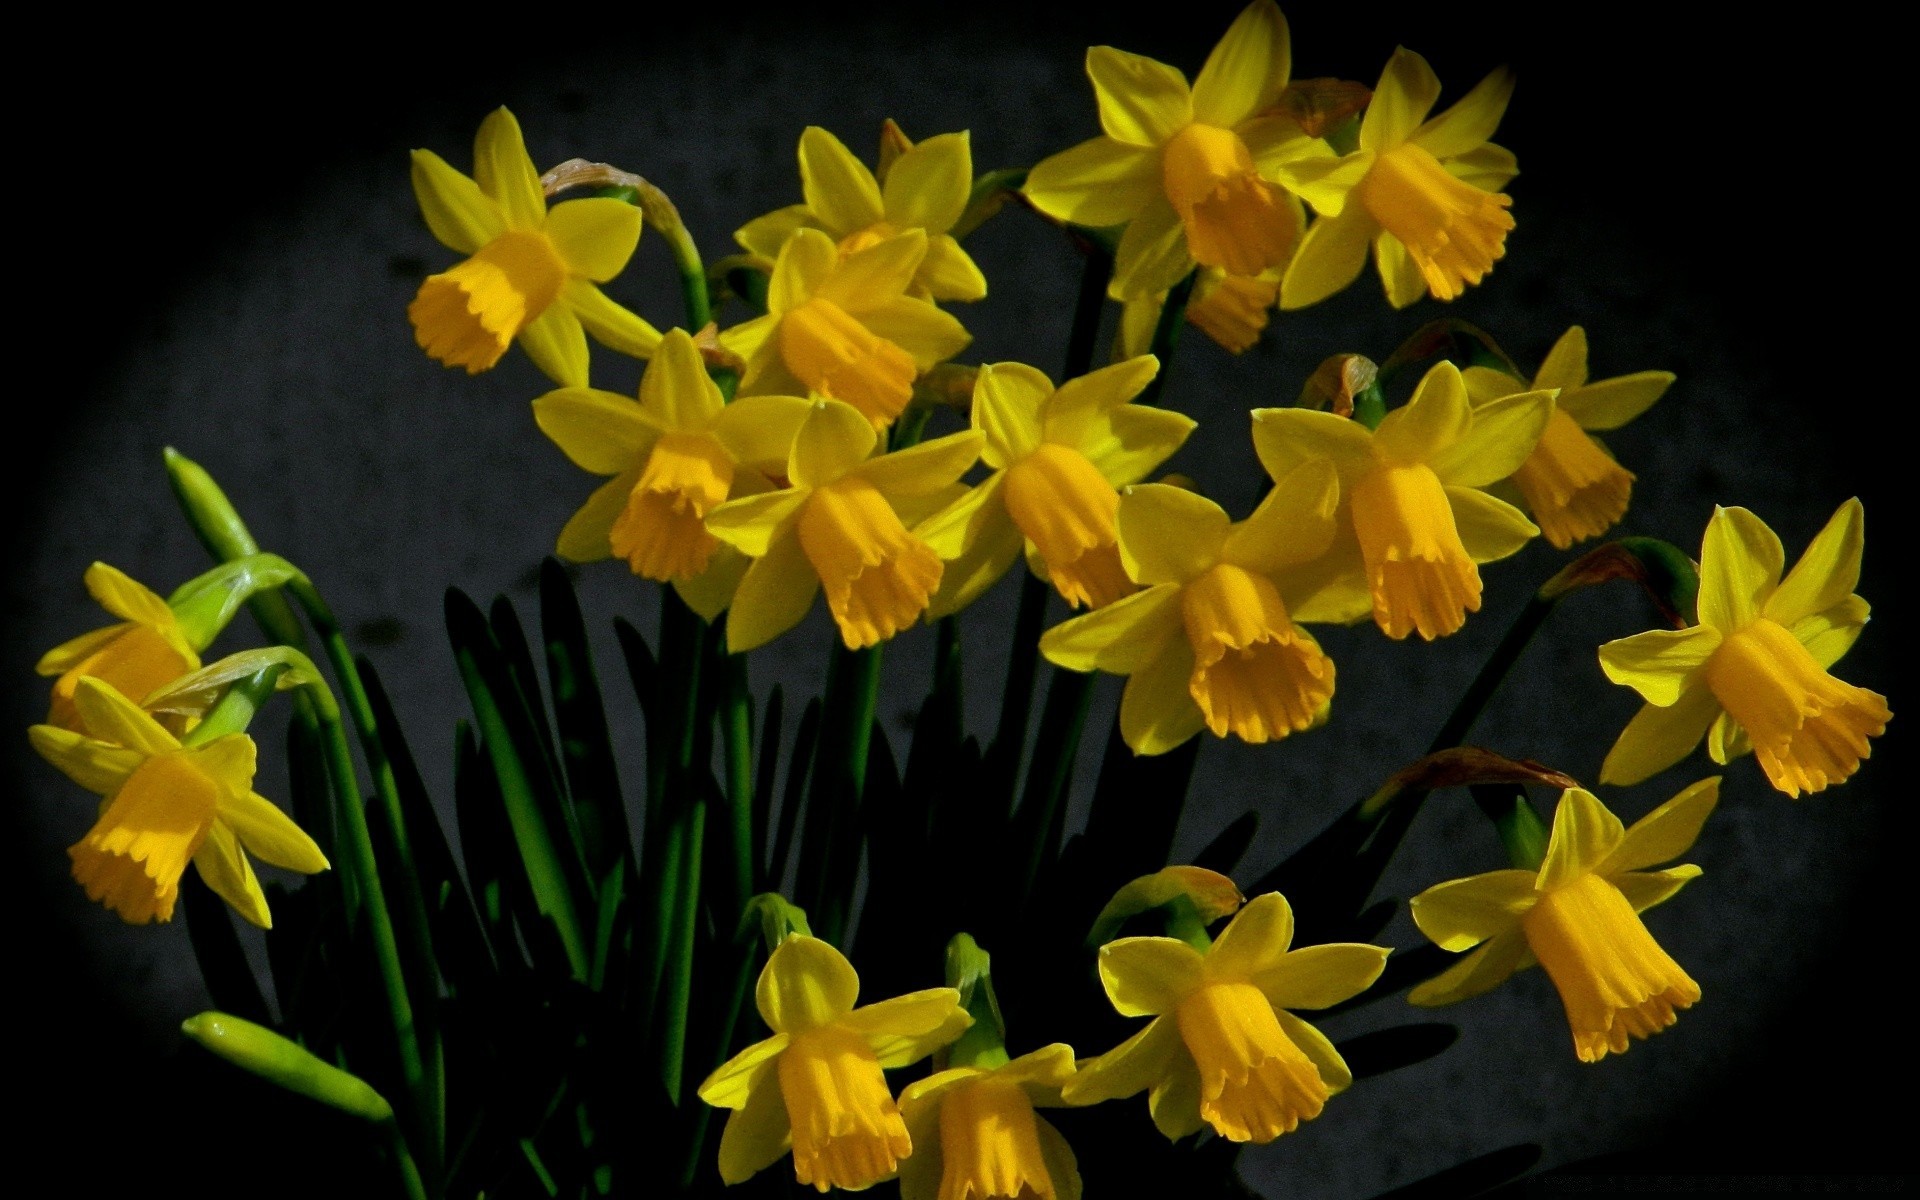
(586, 747)
(799, 768)
(550, 787)
(216, 947)
(1229, 846)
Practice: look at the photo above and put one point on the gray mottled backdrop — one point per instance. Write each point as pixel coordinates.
(226, 245)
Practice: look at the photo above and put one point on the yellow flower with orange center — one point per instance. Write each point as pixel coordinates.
(147, 650)
(926, 188)
(675, 455)
(845, 327)
(1212, 642)
(816, 1086)
(1223, 1048)
(1579, 917)
(841, 525)
(167, 805)
(1425, 193)
(1572, 487)
(1199, 175)
(1753, 674)
(976, 1135)
(532, 272)
(1414, 521)
(1059, 457)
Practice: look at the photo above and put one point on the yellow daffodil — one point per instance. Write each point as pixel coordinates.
(1579, 916)
(1425, 193)
(142, 654)
(531, 274)
(841, 525)
(1414, 522)
(1211, 643)
(1058, 456)
(166, 805)
(1572, 487)
(816, 1084)
(1223, 1048)
(675, 456)
(1752, 675)
(1233, 310)
(845, 327)
(925, 188)
(976, 1136)
(1197, 174)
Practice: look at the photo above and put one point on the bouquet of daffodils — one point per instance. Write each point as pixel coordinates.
(787, 943)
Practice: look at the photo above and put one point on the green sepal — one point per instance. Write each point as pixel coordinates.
(1521, 830)
(199, 691)
(970, 972)
(1188, 893)
(274, 1058)
(205, 604)
(1669, 577)
(990, 194)
(777, 918)
(226, 537)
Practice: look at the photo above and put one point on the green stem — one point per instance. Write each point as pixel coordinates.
(1056, 745)
(1095, 274)
(858, 680)
(1016, 700)
(1185, 923)
(410, 1180)
(1166, 335)
(737, 740)
(690, 838)
(1474, 700)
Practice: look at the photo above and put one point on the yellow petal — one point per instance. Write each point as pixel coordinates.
(227, 871)
(585, 536)
(1488, 168)
(1168, 534)
(764, 235)
(1584, 834)
(1401, 100)
(1502, 434)
(270, 834)
(503, 171)
(1247, 69)
(758, 1133)
(1667, 832)
(676, 391)
(877, 274)
(1398, 272)
(595, 235)
(1120, 638)
(1098, 183)
(928, 334)
(1436, 419)
(838, 187)
(1137, 439)
(732, 1081)
(1288, 438)
(1321, 976)
(1740, 561)
(805, 262)
(1726, 741)
(112, 717)
(557, 344)
(759, 430)
(1062, 1168)
(1645, 889)
(949, 273)
(1142, 102)
(98, 766)
(1485, 383)
(1481, 971)
(1659, 663)
(1329, 257)
(1157, 711)
(806, 983)
(126, 597)
(1659, 737)
(834, 439)
(1470, 122)
(1254, 941)
(1462, 913)
(1305, 166)
(1006, 410)
(1829, 635)
(1490, 529)
(600, 432)
(905, 1029)
(1152, 255)
(752, 524)
(1174, 1101)
(1314, 1044)
(1827, 573)
(1332, 588)
(980, 543)
(1146, 976)
(1075, 414)
(712, 590)
(1565, 366)
(928, 186)
(608, 323)
(773, 596)
(1294, 523)
(1129, 1068)
(458, 213)
(71, 653)
(925, 468)
(1611, 403)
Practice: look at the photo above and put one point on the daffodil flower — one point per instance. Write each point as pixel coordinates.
(1197, 174)
(926, 188)
(1572, 487)
(841, 525)
(166, 805)
(1233, 310)
(147, 650)
(1753, 674)
(1223, 1049)
(1414, 520)
(816, 1084)
(1058, 456)
(976, 1136)
(675, 456)
(531, 274)
(1579, 916)
(1425, 193)
(845, 327)
(1211, 643)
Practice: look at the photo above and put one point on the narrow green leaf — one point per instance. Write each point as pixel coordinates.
(216, 947)
(537, 752)
(799, 769)
(586, 747)
(763, 784)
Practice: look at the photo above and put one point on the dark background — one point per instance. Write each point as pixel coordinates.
(217, 254)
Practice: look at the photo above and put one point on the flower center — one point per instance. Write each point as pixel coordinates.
(1255, 1084)
(1232, 309)
(1454, 230)
(1614, 979)
(137, 663)
(1065, 507)
(878, 577)
(990, 1144)
(661, 532)
(1253, 672)
(847, 1132)
(1573, 487)
(1420, 574)
(133, 857)
(1234, 219)
(1809, 729)
(837, 356)
(862, 239)
(468, 315)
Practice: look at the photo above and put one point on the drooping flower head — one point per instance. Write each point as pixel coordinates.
(147, 650)
(1425, 193)
(1059, 457)
(167, 805)
(675, 455)
(1223, 1048)
(976, 1135)
(925, 188)
(816, 1084)
(842, 525)
(1572, 487)
(1753, 674)
(1414, 521)
(1233, 310)
(845, 327)
(1211, 643)
(1198, 175)
(531, 272)
(1578, 916)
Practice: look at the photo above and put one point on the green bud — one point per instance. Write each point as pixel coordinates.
(226, 537)
(274, 1058)
(201, 691)
(205, 604)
